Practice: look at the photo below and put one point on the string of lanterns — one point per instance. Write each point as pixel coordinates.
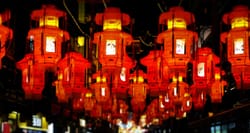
(112, 83)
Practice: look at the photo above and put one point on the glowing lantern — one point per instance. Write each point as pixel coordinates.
(157, 71)
(155, 109)
(138, 91)
(32, 77)
(179, 96)
(119, 109)
(5, 34)
(112, 41)
(178, 42)
(101, 88)
(89, 101)
(204, 70)
(217, 89)
(96, 111)
(72, 70)
(237, 41)
(78, 104)
(48, 37)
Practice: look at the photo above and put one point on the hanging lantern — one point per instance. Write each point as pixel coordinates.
(178, 41)
(119, 109)
(101, 88)
(32, 77)
(119, 79)
(71, 70)
(96, 112)
(112, 41)
(157, 71)
(155, 109)
(47, 38)
(89, 101)
(5, 34)
(78, 104)
(138, 91)
(204, 69)
(237, 41)
(217, 89)
(179, 96)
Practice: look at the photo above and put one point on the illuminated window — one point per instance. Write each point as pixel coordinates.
(112, 24)
(239, 22)
(49, 21)
(175, 91)
(50, 44)
(180, 46)
(103, 91)
(238, 46)
(110, 47)
(123, 74)
(201, 69)
(178, 23)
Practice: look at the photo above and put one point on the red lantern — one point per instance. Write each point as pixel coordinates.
(101, 88)
(46, 40)
(32, 77)
(217, 89)
(155, 109)
(138, 91)
(204, 70)
(237, 41)
(179, 96)
(96, 111)
(119, 78)
(112, 41)
(71, 71)
(78, 104)
(119, 109)
(5, 34)
(89, 101)
(157, 71)
(177, 40)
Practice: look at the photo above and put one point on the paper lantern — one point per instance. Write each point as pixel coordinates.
(5, 34)
(178, 42)
(72, 73)
(101, 88)
(112, 41)
(217, 89)
(204, 70)
(89, 101)
(237, 41)
(180, 99)
(33, 77)
(138, 91)
(119, 109)
(47, 38)
(157, 71)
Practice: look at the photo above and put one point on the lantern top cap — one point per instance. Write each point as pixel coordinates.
(112, 10)
(237, 11)
(176, 12)
(112, 13)
(47, 10)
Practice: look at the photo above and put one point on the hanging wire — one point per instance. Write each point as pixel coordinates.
(159, 6)
(104, 3)
(76, 23)
(144, 43)
(180, 3)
